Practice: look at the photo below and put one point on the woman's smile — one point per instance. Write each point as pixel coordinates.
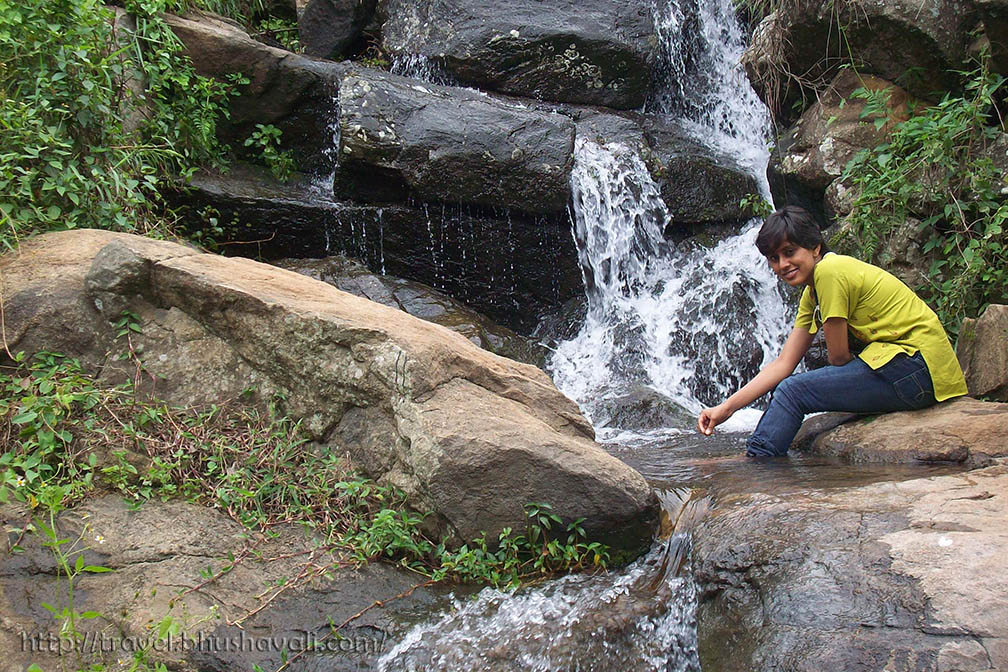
(793, 263)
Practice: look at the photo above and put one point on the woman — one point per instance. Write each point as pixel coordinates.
(887, 349)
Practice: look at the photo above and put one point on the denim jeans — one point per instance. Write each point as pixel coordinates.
(902, 384)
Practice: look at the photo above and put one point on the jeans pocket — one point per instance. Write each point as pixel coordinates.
(915, 389)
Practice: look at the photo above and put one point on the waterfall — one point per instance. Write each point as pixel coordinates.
(689, 325)
(700, 80)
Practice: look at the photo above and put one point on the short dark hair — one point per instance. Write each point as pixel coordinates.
(790, 223)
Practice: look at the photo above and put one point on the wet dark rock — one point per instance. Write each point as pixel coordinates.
(442, 143)
(510, 267)
(640, 408)
(577, 51)
(699, 186)
(420, 301)
(330, 28)
(290, 91)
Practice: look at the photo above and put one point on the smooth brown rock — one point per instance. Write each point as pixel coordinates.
(411, 402)
(161, 556)
(982, 350)
(814, 152)
(959, 430)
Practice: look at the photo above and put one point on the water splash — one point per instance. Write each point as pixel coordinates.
(623, 623)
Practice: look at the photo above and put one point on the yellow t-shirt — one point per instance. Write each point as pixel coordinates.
(883, 313)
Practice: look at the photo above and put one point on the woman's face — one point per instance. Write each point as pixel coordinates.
(793, 263)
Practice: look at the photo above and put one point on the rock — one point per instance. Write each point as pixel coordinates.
(329, 28)
(420, 301)
(587, 51)
(699, 185)
(982, 350)
(994, 15)
(447, 144)
(469, 436)
(159, 570)
(288, 90)
(456, 249)
(799, 48)
(960, 430)
(640, 408)
(814, 152)
(897, 576)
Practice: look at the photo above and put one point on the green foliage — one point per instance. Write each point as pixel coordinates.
(45, 405)
(937, 168)
(256, 465)
(95, 117)
(755, 205)
(283, 31)
(266, 138)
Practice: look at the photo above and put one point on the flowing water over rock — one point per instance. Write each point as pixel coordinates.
(575, 623)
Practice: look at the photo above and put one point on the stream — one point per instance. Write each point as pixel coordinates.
(669, 329)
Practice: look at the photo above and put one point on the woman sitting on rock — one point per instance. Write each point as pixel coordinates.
(887, 349)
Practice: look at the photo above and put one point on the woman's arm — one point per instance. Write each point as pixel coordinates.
(837, 347)
(767, 379)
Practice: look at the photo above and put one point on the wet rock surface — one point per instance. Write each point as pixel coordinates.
(700, 186)
(510, 267)
(469, 436)
(592, 51)
(896, 576)
(448, 144)
(281, 592)
(330, 28)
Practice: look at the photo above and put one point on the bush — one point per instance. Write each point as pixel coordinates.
(937, 168)
(95, 117)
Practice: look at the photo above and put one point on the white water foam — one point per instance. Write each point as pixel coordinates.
(601, 623)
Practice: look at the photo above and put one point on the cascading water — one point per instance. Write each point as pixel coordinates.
(686, 326)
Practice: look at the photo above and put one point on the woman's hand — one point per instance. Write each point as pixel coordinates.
(712, 417)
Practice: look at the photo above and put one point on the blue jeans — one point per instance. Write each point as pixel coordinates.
(902, 384)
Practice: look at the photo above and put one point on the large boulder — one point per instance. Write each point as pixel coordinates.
(330, 28)
(576, 51)
(897, 576)
(799, 47)
(511, 267)
(290, 91)
(982, 350)
(470, 437)
(961, 430)
(814, 152)
(448, 144)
